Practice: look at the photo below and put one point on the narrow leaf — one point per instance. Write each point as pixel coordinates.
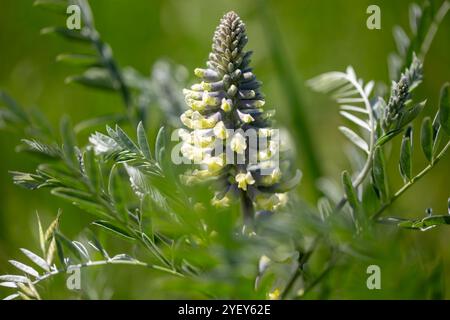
(355, 138)
(36, 259)
(159, 144)
(13, 278)
(444, 109)
(379, 174)
(109, 226)
(426, 138)
(405, 163)
(350, 191)
(356, 120)
(94, 77)
(82, 60)
(143, 142)
(68, 139)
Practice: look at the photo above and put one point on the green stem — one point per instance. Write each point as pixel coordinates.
(105, 54)
(303, 259)
(445, 7)
(291, 88)
(102, 263)
(411, 182)
(248, 211)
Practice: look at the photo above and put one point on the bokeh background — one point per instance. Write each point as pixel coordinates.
(317, 36)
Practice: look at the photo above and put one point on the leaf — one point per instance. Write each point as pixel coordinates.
(95, 77)
(410, 114)
(11, 296)
(125, 141)
(82, 60)
(13, 278)
(36, 259)
(68, 139)
(51, 251)
(27, 180)
(23, 267)
(349, 190)
(405, 163)
(356, 120)
(81, 249)
(324, 207)
(426, 138)
(109, 226)
(14, 107)
(60, 251)
(401, 40)
(52, 227)
(355, 138)
(143, 142)
(78, 198)
(92, 170)
(159, 144)
(116, 190)
(48, 150)
(379, 174)
(103, 144)
(387, 137)
(63, 241)
(98, 246)
(41, 235)
(444, 109)
(83, 35)
(415, 15)
(8, 284)
(28, 290)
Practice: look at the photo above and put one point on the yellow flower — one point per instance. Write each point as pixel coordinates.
(202, 138)
(245, 117)
(271, 202)
(192, 152)
(244, 179)
(209, 100)
(275, 294)
(221, 203)
(226, 105)
(272, 178)
(220, 130)
(238, 143)
(213, 163)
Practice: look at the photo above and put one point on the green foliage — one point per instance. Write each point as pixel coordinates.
(123, 180)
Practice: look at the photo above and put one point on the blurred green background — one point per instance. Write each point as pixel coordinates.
(318, 36)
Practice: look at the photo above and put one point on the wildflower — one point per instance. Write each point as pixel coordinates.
(227, 99)
(244, 179)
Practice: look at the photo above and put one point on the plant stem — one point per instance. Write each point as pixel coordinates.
(322, 275)
(248, 211)
(411, 182)
(303, 259)
(105, 54)
(445, 7)
(102, 263)
(291, 88)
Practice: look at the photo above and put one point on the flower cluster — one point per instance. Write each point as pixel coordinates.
(401, 94)
(224, 107)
